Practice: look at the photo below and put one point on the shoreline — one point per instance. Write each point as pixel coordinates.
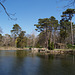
(12, 48)
(42, 50)
(62, 51)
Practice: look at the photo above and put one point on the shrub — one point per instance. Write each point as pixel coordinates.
(52, 45)
(70, 46)
(49, 45)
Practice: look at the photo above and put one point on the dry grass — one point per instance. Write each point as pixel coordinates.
(11, 48)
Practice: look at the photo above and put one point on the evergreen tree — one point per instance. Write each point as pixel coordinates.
(68, 15)
(21, 40)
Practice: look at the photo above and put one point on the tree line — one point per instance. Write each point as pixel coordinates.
(17, 38)
(51, 31)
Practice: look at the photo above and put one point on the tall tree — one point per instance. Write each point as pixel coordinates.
(16, 30)
(67, 15)
(21, 40)
(47, 26)
(40, 42)
(65, 31)
(53, 27)
(43, 25)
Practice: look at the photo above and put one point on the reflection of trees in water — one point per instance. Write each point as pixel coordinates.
(0, 52)
(56, 65)
(68, 65)
(17, 53)
(42, 65)
(18, 64)
(21, 53)
(46, 65)
(46, 56)
(17, 60)
(12, 62)
(31, 54)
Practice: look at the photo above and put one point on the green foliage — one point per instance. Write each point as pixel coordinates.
(65, 30)
(40, 41)
(50, 45)
(63, 35)
(37, 45)
(21, 35)
(46, 25)
(16, 30)
(21, 40)
(68, 14)
(70, 46)
(42, 24)
(67, 17)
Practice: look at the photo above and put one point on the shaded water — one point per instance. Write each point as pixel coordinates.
(26, 63)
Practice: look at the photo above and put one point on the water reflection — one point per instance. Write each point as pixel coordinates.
(17, 53)
(68, 65)
(26, 63)
(11, 62)
(21, 53)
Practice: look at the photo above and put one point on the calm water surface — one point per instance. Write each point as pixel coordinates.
(26, 63)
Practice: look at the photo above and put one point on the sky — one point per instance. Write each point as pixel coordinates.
(28, 12)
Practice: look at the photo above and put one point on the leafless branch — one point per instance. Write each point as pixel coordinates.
(7, 12)
(70, 3)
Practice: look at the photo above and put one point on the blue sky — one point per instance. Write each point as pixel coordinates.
(28, 12)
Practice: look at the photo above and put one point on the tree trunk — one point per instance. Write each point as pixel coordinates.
(46, 36)
(54, 36)
(72, 34)
(46, 39)
(51, 36)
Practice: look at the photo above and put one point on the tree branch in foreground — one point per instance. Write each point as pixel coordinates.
(7, 12)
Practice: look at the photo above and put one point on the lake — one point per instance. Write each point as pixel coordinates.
(19, 62)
